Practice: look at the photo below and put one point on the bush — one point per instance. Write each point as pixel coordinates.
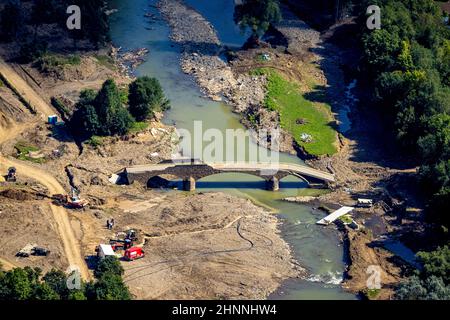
(101, 114)
(146, 97)
(108, 266)
(49, 62)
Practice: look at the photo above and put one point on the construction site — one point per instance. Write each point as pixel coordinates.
(58, 208)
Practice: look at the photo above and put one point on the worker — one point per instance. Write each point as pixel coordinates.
(108, 225)
(112, 223)
(127, 244)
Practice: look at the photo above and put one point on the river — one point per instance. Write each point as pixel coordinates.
(317, 249)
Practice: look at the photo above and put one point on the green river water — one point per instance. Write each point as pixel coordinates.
(317, 249)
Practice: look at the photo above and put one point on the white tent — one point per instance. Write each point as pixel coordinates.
(105, 250)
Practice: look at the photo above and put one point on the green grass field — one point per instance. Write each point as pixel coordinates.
(23, 150)
(138, 127)
(299, 115)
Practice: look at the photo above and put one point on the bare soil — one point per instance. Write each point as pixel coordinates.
(203, 246)
(25, 220)
(225, 247)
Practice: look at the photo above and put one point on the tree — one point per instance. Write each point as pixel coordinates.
(110, 287)
(432, 288)
(435, 144)
(108, 265)
(101, 113)
(85, 122)
(18, 284)
(26, 284)
(257, 15)
(436, 263)
(380, 49)
(45, 292)
(57, 281)
(44, 11)
(112, 115)
(145, 97)
(32, 51)
(95, 22)
(77, 295)
(11, 20)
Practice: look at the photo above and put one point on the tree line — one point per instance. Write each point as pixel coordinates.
(19, 24)
(29, 284)
(104, 113)
(408, 64)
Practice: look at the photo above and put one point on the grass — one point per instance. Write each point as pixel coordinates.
(59, 105)
(51, 61)
(124, 95)
(95, 141)
(23, 149)
(138, 127)
(285, 97)
(106, 61)
(346, 219)
(372, 293)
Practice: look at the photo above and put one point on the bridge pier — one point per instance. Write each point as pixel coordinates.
(189, 184)
(273, 184)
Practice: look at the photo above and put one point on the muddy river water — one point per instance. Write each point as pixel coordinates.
(317, 249)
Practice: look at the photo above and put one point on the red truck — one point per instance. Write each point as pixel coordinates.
(134, 253)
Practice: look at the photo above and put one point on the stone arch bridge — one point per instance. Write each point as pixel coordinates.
(190, 172)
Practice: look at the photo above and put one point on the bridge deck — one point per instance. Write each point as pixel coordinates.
(241, 167)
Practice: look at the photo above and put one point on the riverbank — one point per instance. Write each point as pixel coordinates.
(229, 253)
(235, 76)
(362, 165)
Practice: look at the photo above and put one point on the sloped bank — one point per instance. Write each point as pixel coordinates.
(200, 58)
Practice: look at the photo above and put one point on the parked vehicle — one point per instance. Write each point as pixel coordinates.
(134, 254)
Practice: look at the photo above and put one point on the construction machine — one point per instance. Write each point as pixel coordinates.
(72, 202)
(11, 176)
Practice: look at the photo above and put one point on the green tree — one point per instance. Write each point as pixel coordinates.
(435, 144)
(146, 97)
(57, 281)
(432, 288)
(112, 115)
(111, 287)
(257, 15)
(108, 265)
(32, 51)
(95, 22)
(45, 292)
(97, 26)
(380, 49)
(44, 12)
(84, 121)
(11, 20)
(18, 284)
(436, 263)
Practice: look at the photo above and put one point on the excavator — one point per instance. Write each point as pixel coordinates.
(72, 202)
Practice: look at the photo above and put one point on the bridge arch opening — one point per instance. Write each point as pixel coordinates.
(164, 181)
(231, 180)
(294, 181)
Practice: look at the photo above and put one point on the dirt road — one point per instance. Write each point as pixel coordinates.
(27, 93)
(71, 245)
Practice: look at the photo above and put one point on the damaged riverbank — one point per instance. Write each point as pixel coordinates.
(240, 78)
